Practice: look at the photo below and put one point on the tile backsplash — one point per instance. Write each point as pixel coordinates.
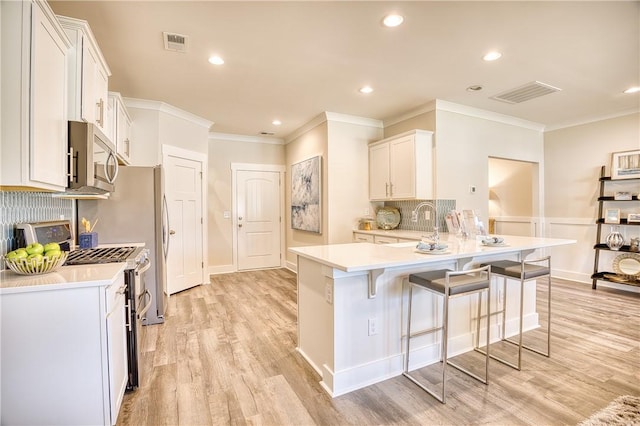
(23, 206)
(406, 207)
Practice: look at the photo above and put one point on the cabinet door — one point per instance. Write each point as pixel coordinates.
(117, 346)
(48, 126)
(89, 70)
(100, 87)
(123, 143)
(379, 172)
(402, 168)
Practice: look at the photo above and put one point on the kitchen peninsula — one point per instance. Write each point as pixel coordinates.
(351, 309)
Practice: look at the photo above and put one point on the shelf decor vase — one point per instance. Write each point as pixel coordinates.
(614, 240)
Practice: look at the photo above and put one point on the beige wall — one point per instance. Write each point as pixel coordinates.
(463, 146)
(424, 121)
(348, 177)
(177, 131)
(222, 153)
(305, 146)
(573, 158)
(145, 129)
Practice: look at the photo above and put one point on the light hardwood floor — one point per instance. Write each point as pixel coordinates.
(226, 355)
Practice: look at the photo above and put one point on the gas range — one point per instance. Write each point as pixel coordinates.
(131, 255)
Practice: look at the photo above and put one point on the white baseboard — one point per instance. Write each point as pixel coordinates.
(221, 269)
(580, 277)
(292, 266)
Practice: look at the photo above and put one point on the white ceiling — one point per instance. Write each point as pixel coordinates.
(294, 60)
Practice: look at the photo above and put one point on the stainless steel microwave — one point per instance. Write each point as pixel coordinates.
(93, 166)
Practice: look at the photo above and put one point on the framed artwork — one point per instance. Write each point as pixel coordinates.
(306, 195)
(612, 216)
(625, 165)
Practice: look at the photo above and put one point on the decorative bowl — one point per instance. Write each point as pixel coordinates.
(29, 267)
(388, 218)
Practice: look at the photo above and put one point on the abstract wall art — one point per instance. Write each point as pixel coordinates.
(306, 194)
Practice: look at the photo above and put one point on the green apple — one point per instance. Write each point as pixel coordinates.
(51, 246)
(35, 259)
(17, 254)
(52, 254)
(34, 248)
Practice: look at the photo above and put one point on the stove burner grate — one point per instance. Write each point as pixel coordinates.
(99, 255)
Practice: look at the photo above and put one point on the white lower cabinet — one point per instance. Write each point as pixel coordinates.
(63, 355)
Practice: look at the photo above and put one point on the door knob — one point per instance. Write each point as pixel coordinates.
(239, 225)
(240, 218)
(172, 232)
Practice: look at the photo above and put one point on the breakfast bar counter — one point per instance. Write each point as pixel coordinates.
(351, 309)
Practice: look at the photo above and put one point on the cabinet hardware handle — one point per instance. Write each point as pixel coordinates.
(128, 305)
(390, 189)
(386, 189)
(172, 232)
(100, 105)
(70, 175)
(113, 158)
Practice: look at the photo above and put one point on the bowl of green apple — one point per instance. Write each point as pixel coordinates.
(36, 259)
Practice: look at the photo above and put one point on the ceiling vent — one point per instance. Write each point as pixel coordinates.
(529, 91)
(175, 42)
(267, 133)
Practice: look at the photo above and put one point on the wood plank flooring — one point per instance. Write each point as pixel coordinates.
(226, 356)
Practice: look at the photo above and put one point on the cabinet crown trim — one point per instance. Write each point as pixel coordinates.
(82, 25)
(415, 132)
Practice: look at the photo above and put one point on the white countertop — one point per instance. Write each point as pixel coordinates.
(95, 275)
(355, 257)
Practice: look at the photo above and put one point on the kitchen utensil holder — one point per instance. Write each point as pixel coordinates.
(88, 240)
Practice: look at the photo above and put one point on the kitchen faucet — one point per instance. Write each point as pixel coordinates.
(414, 218)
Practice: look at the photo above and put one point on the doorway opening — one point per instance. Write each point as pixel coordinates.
(513, 197)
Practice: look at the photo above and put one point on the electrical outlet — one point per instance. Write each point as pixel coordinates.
(373, 326)
(226, 214)
(427, 215)
(328, 293)
(366, 212)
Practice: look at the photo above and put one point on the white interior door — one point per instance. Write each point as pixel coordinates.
(183, 189)
(258, 219)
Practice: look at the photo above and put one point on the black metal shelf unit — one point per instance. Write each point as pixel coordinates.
(597, 274)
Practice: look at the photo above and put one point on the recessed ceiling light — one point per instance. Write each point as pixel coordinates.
(216, 60)
(366, 89)
(392, 20)
(633, 90)
(276, 122)
(474, 88)
(492, 56)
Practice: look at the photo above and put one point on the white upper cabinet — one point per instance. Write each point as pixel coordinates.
(119, 127)
(88, 75)
(34, 97)
(401, 168)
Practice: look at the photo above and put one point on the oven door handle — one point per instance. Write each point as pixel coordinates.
(143, 269)
(147, 306)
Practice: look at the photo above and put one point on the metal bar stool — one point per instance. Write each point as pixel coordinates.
(449, 284)
(524, 270)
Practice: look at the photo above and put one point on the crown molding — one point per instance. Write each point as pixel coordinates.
(592, 119)
(327, 116)
(214, 136)
(487, 115)
(440, 105)
(168, 109)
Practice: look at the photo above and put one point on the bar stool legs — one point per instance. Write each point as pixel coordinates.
(522, 271)
(449, 284)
